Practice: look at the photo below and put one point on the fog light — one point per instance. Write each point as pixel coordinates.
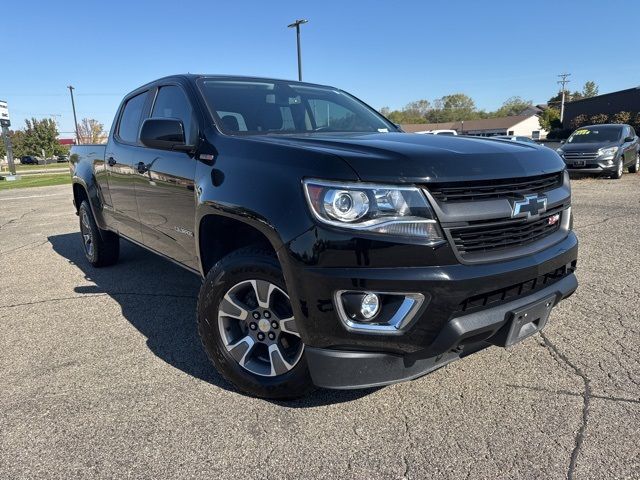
(370, 306)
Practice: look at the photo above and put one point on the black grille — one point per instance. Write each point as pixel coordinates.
(497, 235)
(491, 189)
(514, 291)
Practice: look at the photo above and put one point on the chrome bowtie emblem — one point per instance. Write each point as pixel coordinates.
(530, 206)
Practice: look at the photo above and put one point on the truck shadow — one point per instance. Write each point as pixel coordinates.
(159, 299)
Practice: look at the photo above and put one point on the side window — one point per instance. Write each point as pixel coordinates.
(632, 132)
(130, 120)
(171, 102)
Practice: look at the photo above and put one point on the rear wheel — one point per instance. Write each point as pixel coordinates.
(247, 326)
(101, 247)
(635, 168)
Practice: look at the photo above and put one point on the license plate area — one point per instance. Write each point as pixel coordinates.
(579, 163)
(525, 321)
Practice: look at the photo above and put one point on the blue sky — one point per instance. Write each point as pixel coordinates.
(386, 53)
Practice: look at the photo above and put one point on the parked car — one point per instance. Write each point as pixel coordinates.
(515, 138)
(335, 250)
(439, 132)
(62, 158)
(602, 149)
(29, 160)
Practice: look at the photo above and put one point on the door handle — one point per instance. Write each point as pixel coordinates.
(111, 161)
(142, 168)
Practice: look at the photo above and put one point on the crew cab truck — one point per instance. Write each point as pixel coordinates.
(335, 250)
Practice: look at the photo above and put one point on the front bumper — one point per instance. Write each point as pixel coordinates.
(355, 369)
(467, 305)
(593, 167)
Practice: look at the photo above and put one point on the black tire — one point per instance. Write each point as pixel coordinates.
(101, 247)
(636, 165)
(246, 265)
(619, 169)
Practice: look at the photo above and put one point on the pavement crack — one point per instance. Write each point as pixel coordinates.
(35, 244)
(586, 396)
(600, 222)
(97, 294)
(14, 220)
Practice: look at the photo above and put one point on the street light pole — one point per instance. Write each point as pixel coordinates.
(296, 25)
(75, 120)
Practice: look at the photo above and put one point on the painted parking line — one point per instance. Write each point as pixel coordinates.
(36, 196)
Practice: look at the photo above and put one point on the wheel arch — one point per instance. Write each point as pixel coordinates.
(219, 234)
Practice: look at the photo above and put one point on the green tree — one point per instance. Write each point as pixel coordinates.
(513, 106)
(452, 108)
(590, 89)
(41, 135)
(419, 108)
(550, 119)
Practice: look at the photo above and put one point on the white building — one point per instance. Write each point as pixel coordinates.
(520, 125)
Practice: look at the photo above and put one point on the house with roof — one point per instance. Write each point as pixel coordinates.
(527, 125)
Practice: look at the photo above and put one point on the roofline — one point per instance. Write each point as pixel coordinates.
(197, 76)
(603, 95)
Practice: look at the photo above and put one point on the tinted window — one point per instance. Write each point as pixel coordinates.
(172, 102)
(130, 120)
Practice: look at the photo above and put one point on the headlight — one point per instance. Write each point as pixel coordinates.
(607, 152)
(384, 209)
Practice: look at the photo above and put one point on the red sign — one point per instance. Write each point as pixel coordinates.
(66, 141)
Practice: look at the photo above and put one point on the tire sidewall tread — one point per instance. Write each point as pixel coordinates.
(245, 264)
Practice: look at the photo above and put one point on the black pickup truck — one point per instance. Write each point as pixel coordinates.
(335, 250)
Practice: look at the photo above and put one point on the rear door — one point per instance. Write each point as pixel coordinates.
(165, 191)
(123, 153)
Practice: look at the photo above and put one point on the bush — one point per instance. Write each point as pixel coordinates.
(599, 119)
(580, 121)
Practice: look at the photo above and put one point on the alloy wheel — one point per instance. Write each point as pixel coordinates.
(257, 327)
(637, 162)
(87, 233)
(620, 168)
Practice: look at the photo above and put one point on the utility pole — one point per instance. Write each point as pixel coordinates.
(75, 120)
(296, 25)
(563, 81)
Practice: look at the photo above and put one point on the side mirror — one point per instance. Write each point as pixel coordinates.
(629, 139)
(163, 134)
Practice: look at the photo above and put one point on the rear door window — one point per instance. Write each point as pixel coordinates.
(129, 126)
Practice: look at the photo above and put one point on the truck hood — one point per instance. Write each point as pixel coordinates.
(412, 158)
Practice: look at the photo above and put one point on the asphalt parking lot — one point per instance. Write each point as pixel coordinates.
(102, 374)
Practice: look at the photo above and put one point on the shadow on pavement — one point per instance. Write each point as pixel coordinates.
(159, 299)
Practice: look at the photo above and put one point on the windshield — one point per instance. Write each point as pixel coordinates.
(262, 107)
(596, 135)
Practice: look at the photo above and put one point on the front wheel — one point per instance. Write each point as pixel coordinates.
(635, 168)
(247, 326)
(619, 168)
